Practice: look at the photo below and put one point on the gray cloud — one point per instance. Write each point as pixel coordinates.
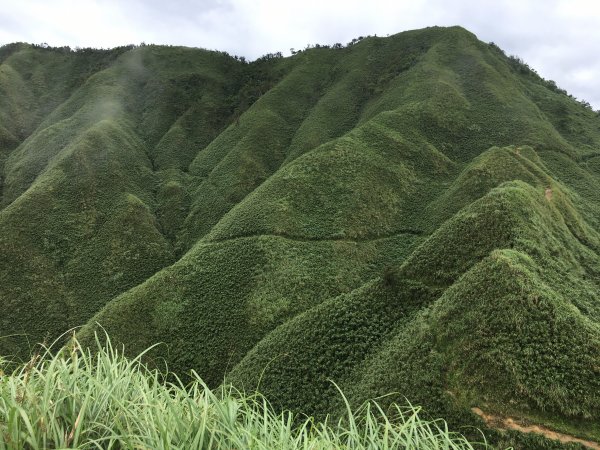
(559, 38)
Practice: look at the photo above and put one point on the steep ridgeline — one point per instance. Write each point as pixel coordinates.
(415, 215)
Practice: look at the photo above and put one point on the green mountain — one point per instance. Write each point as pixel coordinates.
(415, 215)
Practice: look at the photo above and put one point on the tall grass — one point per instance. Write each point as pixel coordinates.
(81, 399)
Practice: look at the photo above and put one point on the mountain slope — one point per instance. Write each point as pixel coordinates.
(415, 214)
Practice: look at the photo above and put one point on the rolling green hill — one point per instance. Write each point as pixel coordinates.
(416, 215)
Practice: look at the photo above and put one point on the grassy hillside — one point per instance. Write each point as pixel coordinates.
(415, 215)
(78, 400)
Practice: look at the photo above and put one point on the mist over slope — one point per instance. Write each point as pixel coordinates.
(416, 214)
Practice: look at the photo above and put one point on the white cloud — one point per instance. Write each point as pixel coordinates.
(559, 38)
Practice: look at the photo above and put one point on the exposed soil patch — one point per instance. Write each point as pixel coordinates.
(508, 423)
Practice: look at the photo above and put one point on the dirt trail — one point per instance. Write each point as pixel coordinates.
(507, 423)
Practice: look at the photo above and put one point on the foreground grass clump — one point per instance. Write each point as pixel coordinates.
(80, 399)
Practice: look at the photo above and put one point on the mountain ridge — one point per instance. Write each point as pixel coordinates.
(238, 211)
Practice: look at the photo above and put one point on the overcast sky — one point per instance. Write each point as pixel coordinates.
(558, 38)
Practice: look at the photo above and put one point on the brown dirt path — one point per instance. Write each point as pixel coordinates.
(508, 423)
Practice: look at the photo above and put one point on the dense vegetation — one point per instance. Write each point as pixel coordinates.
(416, 215)
(76, 399)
